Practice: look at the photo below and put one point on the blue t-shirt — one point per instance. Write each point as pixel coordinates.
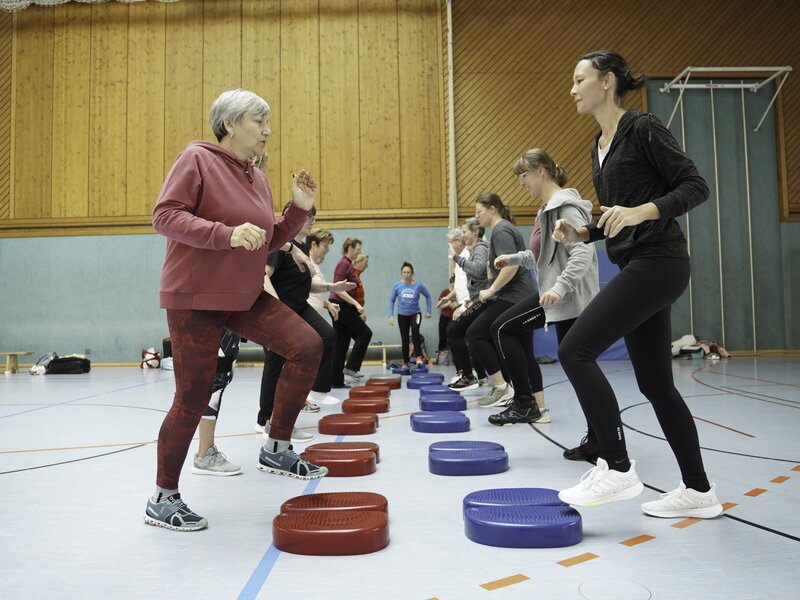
(407, 295)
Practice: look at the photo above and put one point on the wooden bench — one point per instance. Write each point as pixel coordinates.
(12, 364)
(383, 348)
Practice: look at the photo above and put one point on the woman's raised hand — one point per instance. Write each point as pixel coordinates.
(304, 190)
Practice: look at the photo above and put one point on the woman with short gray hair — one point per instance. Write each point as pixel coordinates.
(216, 211)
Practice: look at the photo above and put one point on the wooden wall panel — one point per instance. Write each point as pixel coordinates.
(379, 104)
(420, 115)
(185, 116)
(145, 126)
(108, 104)
(222, 52)
(71, 84)
(6, 105)
(261, 70)
(33, 114)
(513, 70)
(300, 90)
(340, 129)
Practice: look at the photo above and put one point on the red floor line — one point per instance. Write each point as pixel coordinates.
(723, 426)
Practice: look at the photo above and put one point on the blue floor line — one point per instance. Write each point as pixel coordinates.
(264, 567)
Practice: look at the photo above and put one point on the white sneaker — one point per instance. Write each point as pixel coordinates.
(455, 378)
(322, 398)
(685, 502)
(545, 418)
(214, 463)
(498, 397)
(297, 435)
(600, 485)
(310, 407)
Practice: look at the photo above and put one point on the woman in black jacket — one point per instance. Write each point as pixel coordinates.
(644, 181)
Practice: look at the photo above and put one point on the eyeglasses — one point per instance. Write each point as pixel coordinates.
(311, 220)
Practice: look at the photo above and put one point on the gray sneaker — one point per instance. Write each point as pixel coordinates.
(215, 463)
(290, 464)
(352, 374)
(498, 397)
(297, 435)
(171, 512)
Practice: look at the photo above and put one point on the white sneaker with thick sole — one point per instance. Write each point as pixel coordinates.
(545, 418)
(498, 397)
(600, 485)
(686, 503)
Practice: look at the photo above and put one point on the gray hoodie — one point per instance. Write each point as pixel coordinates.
(569, 270)
(475, 268)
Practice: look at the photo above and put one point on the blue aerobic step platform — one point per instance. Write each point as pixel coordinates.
(439, 422)
(521, 518)
(401, 371)
(435, 377)
(462, 445)
(434, 390)
(442, 402)
(419, 370)
(468, 462)
(416, 383)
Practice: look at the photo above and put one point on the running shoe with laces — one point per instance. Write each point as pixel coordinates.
(467, 382)
(310, 407)
(520, 411)
(456, 377)
(353, 374)
(287, 462)
(214, 463)
(297, 434)
(498, 397)
(600, 485)
(172, 513)
(685, 502)
(587, 450)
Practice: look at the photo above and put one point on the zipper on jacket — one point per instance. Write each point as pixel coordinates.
(247, 172)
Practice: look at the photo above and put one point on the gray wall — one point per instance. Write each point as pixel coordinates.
(724, 247)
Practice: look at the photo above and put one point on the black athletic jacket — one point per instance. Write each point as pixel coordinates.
(646, 164)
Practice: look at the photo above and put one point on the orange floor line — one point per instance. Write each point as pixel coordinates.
(685, 523)
(755, 492)
(639, 539)
(796, 468)
(779, 479)
(505, 582)
(724, 426)
(728, 505)
(576, 560)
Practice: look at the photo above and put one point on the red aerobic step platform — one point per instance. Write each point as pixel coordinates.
(383, 385)
(346, 447)
(365, 405)
(343, 464)
(348, 424)
(338, 501)
(366, 391)
(331, 532)
(395, 381)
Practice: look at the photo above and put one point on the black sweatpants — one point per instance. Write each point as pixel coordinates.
(273, 364)
(443, 323)
(480, 339)
(456, 337)
(512, 335)
(349, 326)
(636, 305)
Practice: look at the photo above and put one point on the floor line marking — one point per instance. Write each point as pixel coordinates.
(685, 523)
(755, 492)
(796, 468)
(505, 582)
(779, 479)
(576, 560)
(723, 426)
(728, 505)
(639, 539)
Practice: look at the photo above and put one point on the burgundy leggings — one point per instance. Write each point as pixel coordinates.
(195, 341)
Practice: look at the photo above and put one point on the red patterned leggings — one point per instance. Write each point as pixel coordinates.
(195, 341)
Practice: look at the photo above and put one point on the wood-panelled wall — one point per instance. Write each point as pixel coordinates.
(513, 73)
(105, 96)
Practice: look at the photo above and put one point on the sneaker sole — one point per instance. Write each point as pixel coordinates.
(626, 494)
(708, 512)
(156, 523)
(274, 471)
(196, 471)
(496, 403)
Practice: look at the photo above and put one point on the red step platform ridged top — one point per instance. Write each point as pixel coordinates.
(331, 533)
(368, 391)
(365, 405)
(348, 424)
(338, 501)
(395, 381)
(346, 447)
(343, 464)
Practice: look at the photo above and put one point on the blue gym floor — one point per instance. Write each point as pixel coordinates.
(77, 462)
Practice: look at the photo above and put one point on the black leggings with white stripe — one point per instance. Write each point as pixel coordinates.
(512, 334)
(412, 322)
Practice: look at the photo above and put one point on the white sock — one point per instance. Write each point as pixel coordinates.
(162, 493)
(274, 445)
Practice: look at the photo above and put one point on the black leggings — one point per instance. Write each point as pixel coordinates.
(349, 326)
(274, 363)
(406, 322)
(635, 305)
(443, 323)
(480, 339)
(512, 335)
(456, 337)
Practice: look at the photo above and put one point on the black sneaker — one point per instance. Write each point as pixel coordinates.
(525, 411)
(587, 450)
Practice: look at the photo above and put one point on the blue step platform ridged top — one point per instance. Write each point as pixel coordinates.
(434, 403)
(416, 383)
(439, 422)
(513, 497)
(462, 445)
(523, 526)
(469, 462)
(434, 390)
(401, 371)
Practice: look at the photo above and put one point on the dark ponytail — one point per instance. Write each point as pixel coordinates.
(608, 61)
(491, 199)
